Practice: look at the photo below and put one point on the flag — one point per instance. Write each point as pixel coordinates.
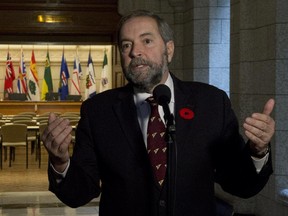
(77, 72)
(90, 78)
(64, 76)
(22, 80)
(47, 84)
(32, 81)
(9, 77)
(104, 74)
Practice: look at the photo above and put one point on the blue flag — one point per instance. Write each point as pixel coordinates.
(64, 77)
(90, 78)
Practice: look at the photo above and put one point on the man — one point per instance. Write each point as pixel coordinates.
(110, 155)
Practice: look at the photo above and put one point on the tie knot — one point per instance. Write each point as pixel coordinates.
(151, 101)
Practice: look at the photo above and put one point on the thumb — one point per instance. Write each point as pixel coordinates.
(52, 117)
(268, 108)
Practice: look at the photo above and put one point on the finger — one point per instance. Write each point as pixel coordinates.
(254, 130)
(52, 117)
(52, 127)
(60, 155)
(259, 134)
(63, 137)
(59, 134)
(58, 125)
(55, 133)
(268, 108)
(64, 146)
(258, 143)
(58, 145)
(257, 122)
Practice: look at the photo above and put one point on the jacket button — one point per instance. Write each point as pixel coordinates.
(162, 203)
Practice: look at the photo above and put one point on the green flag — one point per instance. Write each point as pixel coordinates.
(47, 84)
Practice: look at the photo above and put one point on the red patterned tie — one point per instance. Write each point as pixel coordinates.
(156, 144)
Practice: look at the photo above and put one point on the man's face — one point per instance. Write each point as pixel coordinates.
(144, 55)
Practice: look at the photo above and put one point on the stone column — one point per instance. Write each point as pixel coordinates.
(259, 71)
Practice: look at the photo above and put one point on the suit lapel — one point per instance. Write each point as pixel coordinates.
(184, 99)
(126, 113)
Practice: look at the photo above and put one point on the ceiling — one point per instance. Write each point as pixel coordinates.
(58, 21)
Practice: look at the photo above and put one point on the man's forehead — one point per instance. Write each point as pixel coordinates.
(140, 25)
(142, 20)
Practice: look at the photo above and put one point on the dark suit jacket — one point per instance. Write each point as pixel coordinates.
(110, 157)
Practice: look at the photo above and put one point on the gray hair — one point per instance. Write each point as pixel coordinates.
(165, 31)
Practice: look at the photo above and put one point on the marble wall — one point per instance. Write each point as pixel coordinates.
(256, 62)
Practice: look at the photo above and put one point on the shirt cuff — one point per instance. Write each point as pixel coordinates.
(260, 162)
(60, 175)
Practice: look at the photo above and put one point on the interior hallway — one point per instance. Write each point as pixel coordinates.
(41, 203)
(25, 191)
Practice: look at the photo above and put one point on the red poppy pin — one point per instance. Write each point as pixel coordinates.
(186, 113)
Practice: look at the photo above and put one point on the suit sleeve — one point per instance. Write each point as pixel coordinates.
(235, 170)
(82, 181)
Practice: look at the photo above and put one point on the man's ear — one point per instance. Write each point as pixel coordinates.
(170, 50)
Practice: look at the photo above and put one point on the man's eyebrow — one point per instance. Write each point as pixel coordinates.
(146, 34)
(141, 36)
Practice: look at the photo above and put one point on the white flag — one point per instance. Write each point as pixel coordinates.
(90, 79)
(77, 72)
(104, 74)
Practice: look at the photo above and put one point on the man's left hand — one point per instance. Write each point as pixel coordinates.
(259, 128)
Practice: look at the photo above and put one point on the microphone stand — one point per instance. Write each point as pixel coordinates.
(171, 159)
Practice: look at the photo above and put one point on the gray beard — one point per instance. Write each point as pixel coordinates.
(154, 74)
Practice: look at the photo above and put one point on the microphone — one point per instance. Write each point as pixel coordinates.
(162, 95)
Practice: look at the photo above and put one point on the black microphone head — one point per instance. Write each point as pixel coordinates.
(162, 94)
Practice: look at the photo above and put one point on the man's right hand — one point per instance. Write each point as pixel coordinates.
(56, 138)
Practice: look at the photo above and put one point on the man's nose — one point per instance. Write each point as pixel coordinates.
(136, 51)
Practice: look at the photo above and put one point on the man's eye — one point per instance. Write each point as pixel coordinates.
(147, 41)
(125, 46)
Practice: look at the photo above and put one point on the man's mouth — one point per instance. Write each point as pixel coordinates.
(140, 66)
